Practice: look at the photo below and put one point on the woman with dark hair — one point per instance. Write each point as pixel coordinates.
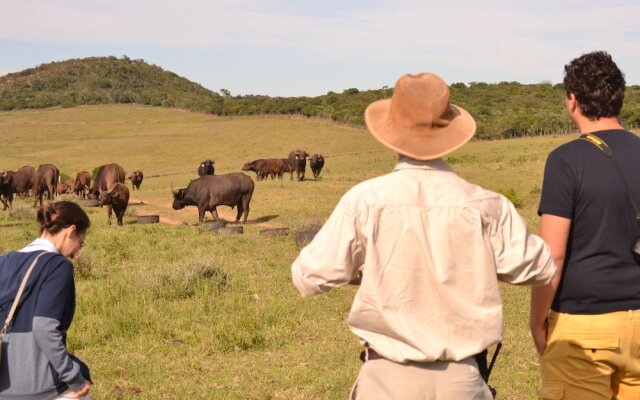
(35, 362)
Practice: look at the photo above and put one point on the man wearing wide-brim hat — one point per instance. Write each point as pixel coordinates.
(427, 249)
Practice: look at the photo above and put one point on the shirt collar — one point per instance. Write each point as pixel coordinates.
(40, 244)
(433, 165)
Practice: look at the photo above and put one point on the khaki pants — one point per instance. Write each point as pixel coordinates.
(440, 380)
(592, 357)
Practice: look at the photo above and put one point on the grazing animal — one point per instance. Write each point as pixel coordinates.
(209, 192)
(117, 199)
(24, 180)
(316, 162)
(207, 167)
(255, 166)
(65, 187)
(82, 184)
(136, 178)
(6, 189)
(48, 178)
(272, 167)
(108, 175)
(298, 163)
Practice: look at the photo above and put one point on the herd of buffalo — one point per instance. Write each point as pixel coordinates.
(109, 189)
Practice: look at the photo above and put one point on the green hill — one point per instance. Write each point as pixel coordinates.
(103, 80)
(502, 110)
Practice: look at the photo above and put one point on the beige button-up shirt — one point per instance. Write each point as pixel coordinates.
(431, 248)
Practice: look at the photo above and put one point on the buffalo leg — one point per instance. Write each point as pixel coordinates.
(109, 209)
(240, 210)
(119, 215)
(245, 205)
(201, 212)
(214, 214)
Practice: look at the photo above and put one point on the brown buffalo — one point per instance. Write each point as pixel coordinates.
(82, 184)
(209, 192)
(316, 162)
(108, 175)
(117, 199)
(136, 178)
(298, 162)
(65, 187)
(48, 177)
(255, 166)
(272, 167)
(25, 180)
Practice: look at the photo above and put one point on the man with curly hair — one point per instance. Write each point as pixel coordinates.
(586, 322)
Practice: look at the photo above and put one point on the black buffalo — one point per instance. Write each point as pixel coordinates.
(207, 167)
(256, 166)
(136, 178)
(6, 189)
(298, 163)
(25, 180)
(108, 175)
(316, 162)
(117, 199)
(209, 192)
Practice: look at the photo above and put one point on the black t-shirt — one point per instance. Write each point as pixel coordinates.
(582, 184)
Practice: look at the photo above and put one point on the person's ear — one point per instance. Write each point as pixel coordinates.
(572, 103)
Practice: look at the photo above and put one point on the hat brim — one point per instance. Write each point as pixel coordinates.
(431, 143)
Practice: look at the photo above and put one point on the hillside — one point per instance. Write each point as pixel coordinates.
(502, 110)
(103, 80)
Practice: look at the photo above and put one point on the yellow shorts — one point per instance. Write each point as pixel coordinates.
(591, 357)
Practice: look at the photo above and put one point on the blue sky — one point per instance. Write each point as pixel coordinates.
(307, 48)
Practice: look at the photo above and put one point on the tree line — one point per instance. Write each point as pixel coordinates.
(501, 110)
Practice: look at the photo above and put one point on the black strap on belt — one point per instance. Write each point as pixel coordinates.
(485, 370)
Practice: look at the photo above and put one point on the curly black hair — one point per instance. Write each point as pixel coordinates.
(597, 83)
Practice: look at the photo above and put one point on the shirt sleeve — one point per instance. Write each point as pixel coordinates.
(521, 257)
(558, 188)
(52, 303)
(333, 257)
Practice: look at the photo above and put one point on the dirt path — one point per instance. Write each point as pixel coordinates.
(223, 212)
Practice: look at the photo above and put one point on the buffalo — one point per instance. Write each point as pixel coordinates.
(82, 184)
(136, 178)
(209, 192)
(6, 189)
(48, 178)
(255, 166)
(117, 199)
(108, 175)
(298, 162)
(25, 180)
(316, 162)
(65, 187)
(207, 167)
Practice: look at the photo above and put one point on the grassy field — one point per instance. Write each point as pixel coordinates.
(168, 311)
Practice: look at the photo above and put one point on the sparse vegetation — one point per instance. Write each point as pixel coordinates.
(165, 311)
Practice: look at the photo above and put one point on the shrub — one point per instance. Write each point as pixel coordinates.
(512, 195)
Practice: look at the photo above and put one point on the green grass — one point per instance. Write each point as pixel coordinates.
(168, 311)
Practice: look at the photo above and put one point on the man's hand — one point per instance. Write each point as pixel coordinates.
(357, 279)
(83, 391)
(540, 337)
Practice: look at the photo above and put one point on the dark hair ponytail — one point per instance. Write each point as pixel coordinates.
(54, 217)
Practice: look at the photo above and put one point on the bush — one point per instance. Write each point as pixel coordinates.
(512, 195)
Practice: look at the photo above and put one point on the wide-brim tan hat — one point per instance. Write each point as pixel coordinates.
(419, 121)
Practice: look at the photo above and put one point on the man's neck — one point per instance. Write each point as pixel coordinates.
(586, 125)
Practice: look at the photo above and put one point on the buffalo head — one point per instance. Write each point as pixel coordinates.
(178, 198)
(106, 197)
